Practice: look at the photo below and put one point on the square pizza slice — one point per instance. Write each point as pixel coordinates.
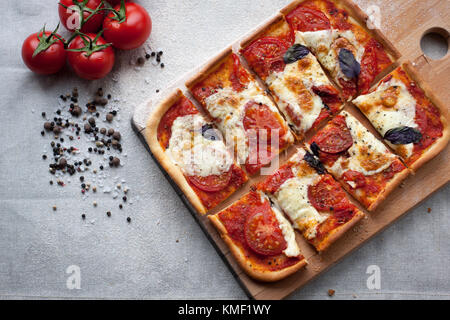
(315, 203)
(292, 73)
(242, 110)
(260, 238)
(407, 115)
(192, 153)
(356, 158)
(334, 31)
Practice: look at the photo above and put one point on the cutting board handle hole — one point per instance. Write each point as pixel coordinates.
(435, 43)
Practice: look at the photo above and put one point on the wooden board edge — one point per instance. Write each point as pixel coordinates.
(260, 296)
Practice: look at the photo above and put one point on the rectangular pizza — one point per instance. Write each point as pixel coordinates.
(260, 238)
(314, 202)
(334, 30)
(242, 110)
(356, 158)
(193, 153)
(303, 92)
(407, 115)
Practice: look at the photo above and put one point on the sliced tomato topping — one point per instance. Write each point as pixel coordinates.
(327, 195)
(368, 70)
(202, 92)
(212, 183)
(308, 19)
(265, 55)
(357, 177)
(274, 182)
(429, 124)
(349, 87)
(239, 76)
(263, 234)
(324, 113)
(394, 168)
(182, 108)
(260, 117)
(339, 17)
(327, 93)
(373, 60)
(335, 138)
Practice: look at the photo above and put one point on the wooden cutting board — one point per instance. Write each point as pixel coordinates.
(404, 23)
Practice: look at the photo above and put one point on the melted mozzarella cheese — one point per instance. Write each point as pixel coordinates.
(292, 197)
(192, 152)
(292, 249)
(366, 152)
(284, 85)
(321, 43)
(383, 118)
(227, 106)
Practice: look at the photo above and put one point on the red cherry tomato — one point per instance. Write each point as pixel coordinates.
(91, 65)
(48, 61)
(115, 2)
(263, 234)
(212, 183)
(69, 17)
(129, 29)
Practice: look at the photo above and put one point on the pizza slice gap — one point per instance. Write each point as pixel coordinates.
(364, 166)
(193, 153)
(245, 114)
(335, 31)
(314, 202)
(405, 112)
(299, 85)
(260, 238)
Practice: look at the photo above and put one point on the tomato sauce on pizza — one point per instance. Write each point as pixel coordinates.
(210, 172)
(245, 114)
(326, 29)
(356, 158)
(315, 203)
(253, 226)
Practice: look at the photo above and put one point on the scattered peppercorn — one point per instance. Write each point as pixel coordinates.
(109, 117)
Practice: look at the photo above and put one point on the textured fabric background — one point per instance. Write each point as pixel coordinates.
(144, 259)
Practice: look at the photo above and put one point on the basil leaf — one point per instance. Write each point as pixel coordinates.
(314, 148)
(314, 162)
(295, 53)
(349, 66)
(403, 135)
(208, 132)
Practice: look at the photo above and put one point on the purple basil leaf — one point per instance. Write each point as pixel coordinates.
(295, 53)
(349, 66)
(314, 162)
(403, 135)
